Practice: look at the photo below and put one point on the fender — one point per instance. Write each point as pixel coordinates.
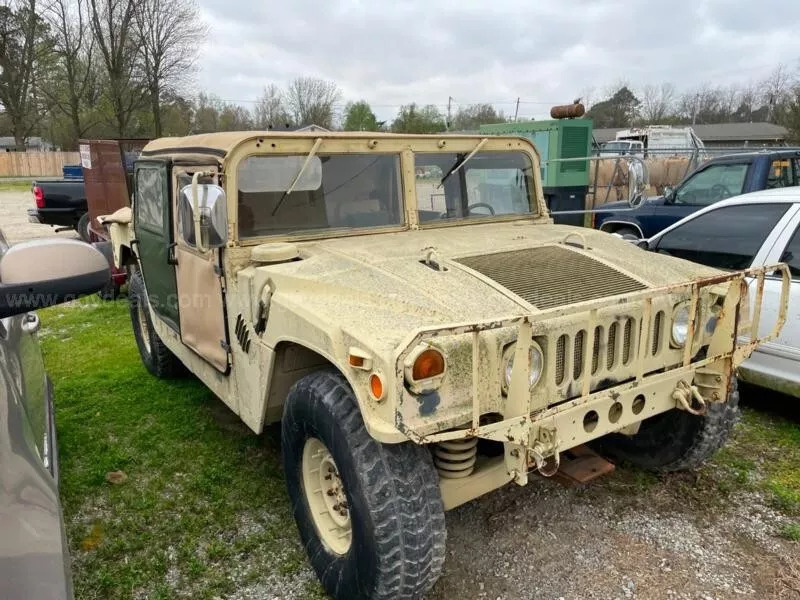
(120, 228)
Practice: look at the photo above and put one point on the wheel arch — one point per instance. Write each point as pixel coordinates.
(615, 225)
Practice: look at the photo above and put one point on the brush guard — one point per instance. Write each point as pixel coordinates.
(529, 430)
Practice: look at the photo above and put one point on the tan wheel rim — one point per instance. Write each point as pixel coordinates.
(144, 327)
(326, 498)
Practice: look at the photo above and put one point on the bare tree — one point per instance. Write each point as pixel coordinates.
(66, 85)
(23, 43)
(270, 111)
(657, 102)
(169, 34)
(112, 24)
(776, 90)
(312, 100)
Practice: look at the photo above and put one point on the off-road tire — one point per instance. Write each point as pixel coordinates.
(396, 513)
(157, 358)
(82, 227)
(677, 440)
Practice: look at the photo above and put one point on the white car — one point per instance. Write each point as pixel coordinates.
(751, 230)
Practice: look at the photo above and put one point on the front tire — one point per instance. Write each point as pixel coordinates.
(157, 358)
(677, 440)
(388, 537)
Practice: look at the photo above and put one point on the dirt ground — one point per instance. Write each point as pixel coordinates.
(14, 219)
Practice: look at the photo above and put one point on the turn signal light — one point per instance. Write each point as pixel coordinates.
(429, 363)
(376, 386)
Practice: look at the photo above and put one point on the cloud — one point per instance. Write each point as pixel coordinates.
(542, 52)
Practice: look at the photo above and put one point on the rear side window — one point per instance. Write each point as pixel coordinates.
(782, 173)
(726, 238)
(150, 197)
(791, 255)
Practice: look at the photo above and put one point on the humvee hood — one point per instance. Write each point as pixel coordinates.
(474, 273)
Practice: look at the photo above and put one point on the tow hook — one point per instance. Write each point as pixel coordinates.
(544, 452)
(686, 396)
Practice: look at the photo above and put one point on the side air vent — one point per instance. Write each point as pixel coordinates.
(242, 333)
(551, 276)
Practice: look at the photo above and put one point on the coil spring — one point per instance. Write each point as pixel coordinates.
(456, 458)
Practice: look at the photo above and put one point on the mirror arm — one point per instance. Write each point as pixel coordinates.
(198, 242)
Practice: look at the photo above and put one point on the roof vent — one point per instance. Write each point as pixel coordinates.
(276, 252)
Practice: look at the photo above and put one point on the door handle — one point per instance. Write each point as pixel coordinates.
(171, 259)
(31, 323)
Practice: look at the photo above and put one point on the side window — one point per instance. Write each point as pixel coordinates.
(782, 173)
(726, 238)
(150, 197)
(713, 184)
(791, 255)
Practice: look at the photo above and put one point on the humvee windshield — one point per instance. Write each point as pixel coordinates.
(360, 191)
(488, 184)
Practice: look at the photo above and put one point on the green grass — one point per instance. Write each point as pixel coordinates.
(203, 509)
(791, 532)
(15, 186)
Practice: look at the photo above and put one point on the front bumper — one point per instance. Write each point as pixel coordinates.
(33, 216)
(536, 428)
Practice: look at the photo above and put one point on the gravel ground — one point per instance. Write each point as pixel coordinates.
(14, 219)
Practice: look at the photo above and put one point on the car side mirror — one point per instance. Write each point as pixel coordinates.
(41, 273)
(203, 216)
(637, 182)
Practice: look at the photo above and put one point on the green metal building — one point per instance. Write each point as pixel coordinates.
(565, 183)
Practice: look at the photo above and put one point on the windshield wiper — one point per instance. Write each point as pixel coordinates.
(457, 166)
(302, 170)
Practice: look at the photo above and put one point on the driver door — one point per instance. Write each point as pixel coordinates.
(201, 293)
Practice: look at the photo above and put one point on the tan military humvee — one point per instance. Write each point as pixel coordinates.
(407, 309)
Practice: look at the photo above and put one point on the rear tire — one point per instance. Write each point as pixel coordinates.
(157, 358)
(393, 507)
(83, 227)
(677, 440)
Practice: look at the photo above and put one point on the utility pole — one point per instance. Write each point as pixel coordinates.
(449, 104)
(516, 111)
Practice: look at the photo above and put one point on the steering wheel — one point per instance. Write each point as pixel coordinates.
(720, 192)
(481, 205)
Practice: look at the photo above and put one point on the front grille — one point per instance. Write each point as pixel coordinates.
(551, 276)
(614, 350)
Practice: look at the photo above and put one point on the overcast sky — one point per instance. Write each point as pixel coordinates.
(543, 51)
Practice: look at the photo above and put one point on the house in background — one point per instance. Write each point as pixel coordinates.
(724, 135)
(32, 144)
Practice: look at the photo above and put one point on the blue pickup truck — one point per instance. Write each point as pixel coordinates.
(714, 180)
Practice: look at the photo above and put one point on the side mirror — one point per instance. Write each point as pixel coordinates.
(203, 221)
(669, 192)
(637, 181)
(45, 272)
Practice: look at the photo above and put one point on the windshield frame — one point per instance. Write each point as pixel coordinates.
(348, 143)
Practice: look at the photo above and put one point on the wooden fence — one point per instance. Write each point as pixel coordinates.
(36, 164)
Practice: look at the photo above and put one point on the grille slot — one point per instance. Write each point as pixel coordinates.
(658, 325)
(598, 332)
(612, 346)
(551, 276)
(561, 358)
(577, 354)
(627, 342)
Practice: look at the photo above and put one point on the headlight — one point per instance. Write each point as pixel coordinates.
(680, 325)
(537, 362)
